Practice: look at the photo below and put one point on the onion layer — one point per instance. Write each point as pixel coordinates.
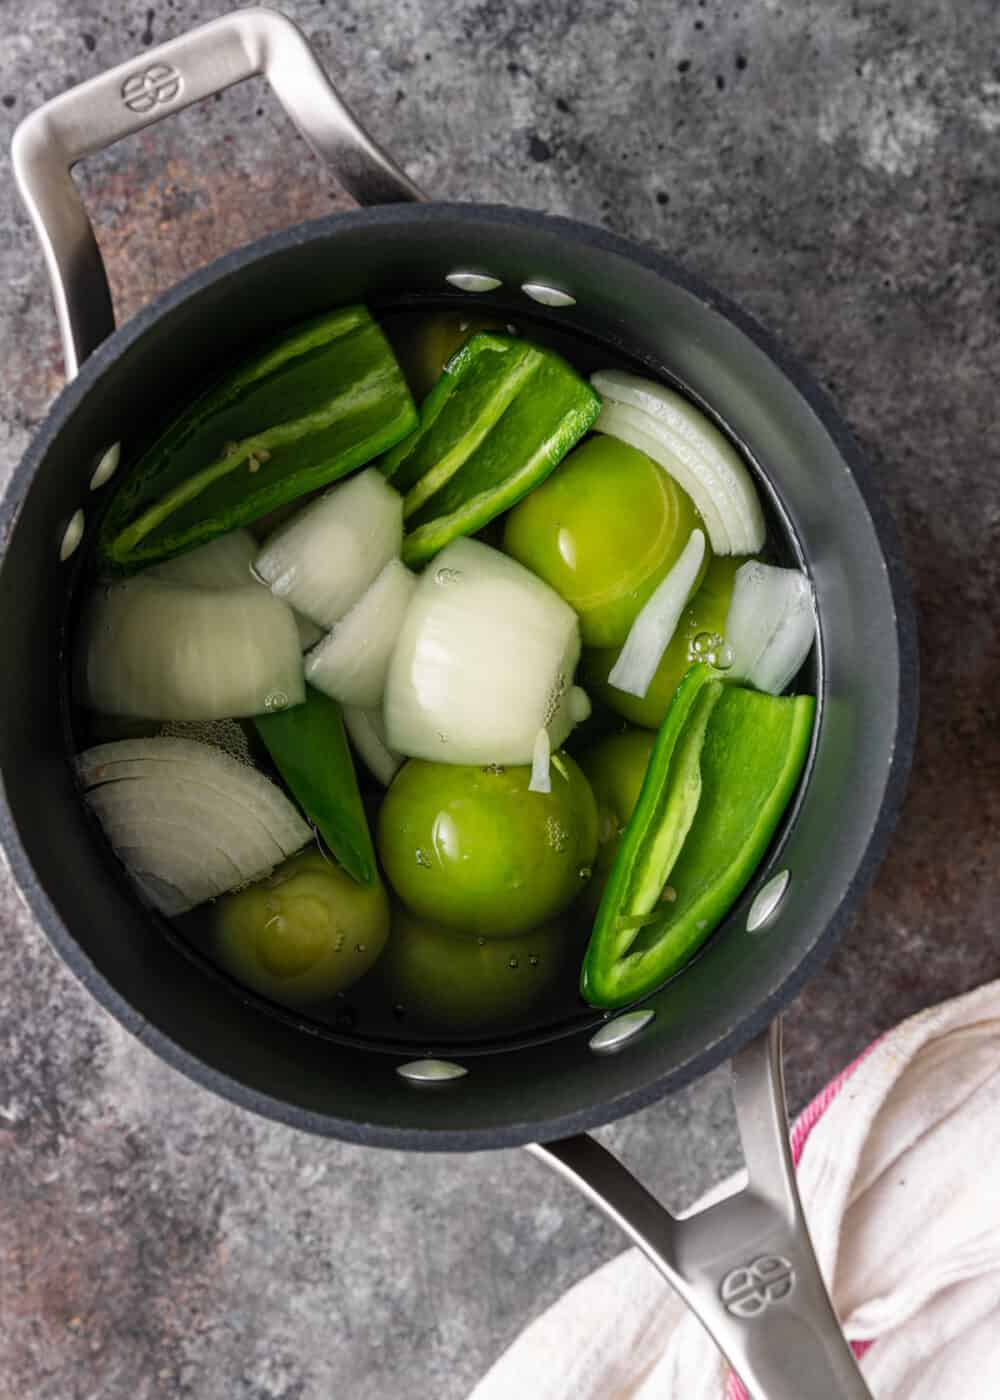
(771, 625)
(188, 821)
(350, 664)
(323, 560)
(485, 659)
(674, 433)
(159, 650)
(366, 731)
(653, 629)
(224, 562)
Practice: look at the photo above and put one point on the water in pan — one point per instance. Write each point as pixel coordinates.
(365, 1013)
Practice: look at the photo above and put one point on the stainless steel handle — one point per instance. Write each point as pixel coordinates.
(745, 1265)
(134, 95)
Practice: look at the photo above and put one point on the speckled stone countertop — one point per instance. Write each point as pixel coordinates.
(833, 167)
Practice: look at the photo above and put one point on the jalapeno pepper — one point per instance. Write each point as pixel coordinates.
(326, 399)
(725, 763)
(502, 415)
(309, 749)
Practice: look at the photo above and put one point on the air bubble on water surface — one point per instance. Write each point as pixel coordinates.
(554, 699)
(481, 941)
(442, 737)
(512, 962)
(277, 700)
(703, 644)
(423, 858)
(534, 960)
(495, 768)
(359, 947)
(584, 872)
(556, 835)
(398, 1010)
(447, 576)
(722, 657)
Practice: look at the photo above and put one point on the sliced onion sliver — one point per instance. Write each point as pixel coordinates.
(699, 444)
(158, 650)
(366, 730)
(188, 821)
(350, 663)
(771, 625)
(656, 624)
(541, 757)
(633, 427)
(322, 561)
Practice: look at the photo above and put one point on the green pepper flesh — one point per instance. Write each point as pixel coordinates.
(750, 750)
(503, 414)
(327, 399)
(310, 751)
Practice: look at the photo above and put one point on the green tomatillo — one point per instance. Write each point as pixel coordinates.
(442, 979)
(603, 530)
(303, 934)
(472, 849)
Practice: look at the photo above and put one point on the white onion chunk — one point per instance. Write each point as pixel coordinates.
(771, 625)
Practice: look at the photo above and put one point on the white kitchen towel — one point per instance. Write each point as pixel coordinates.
(899, 1171)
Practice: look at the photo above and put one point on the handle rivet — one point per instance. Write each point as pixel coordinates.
(107, 466)
(548, 296)
(619, 1031)
(766, 900)
(430, 1071)
(473, 281)
(72, 536)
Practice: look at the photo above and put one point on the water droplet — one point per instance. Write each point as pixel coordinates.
(534, 959)
(704, 643)
(556, 835)
(722, 657)
(446, 576)
(423, 858)
(512, 962)
(481, 941)
(277, 700)
(584, 872)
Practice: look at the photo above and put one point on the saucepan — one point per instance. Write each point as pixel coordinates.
(745, 1264)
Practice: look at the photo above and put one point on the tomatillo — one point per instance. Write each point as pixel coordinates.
(603, 530)
(616, 768)
(303, 934)
(438, 977)
(472, 849)
(699, 635)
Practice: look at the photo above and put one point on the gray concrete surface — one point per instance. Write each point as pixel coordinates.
(832, 166)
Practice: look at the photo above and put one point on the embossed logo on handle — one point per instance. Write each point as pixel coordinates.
(157, 84)
(752, 1288)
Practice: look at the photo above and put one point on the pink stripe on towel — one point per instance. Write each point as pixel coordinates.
(801, 1129)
